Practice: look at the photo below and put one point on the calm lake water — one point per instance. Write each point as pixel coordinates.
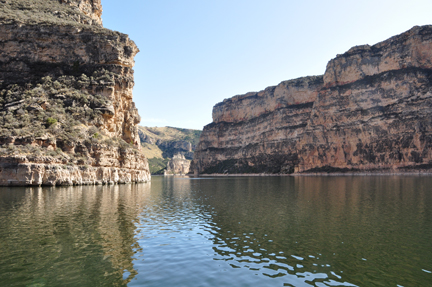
(242, 231)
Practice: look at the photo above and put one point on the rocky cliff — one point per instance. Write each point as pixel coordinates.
(178, 165)
(370, 111)
(66, 106)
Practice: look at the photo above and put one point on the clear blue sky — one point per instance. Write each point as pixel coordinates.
(195, 53)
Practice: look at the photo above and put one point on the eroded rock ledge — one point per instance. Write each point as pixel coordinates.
(30, 171)
(66, 109)
(370, 111)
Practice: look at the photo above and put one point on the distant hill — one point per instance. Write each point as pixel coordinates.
(160, 144)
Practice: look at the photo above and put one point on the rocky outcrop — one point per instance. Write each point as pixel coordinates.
(178, 165)
(370, 111)
(30, 53)
(90, 8)
(66, 96)
(48, 12)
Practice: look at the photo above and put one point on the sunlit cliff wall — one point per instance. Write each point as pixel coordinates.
(370, 111)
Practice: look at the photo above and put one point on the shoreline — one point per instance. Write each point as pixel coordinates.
(380, 173)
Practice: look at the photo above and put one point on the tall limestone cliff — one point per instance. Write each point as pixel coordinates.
(370, 111)
(66, 110)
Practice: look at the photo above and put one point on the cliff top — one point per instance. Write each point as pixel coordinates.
(366, 59)
(299, 82)
(58, 12)
(406, 50)
(392, 41)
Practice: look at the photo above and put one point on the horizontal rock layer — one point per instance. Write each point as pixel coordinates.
(110, 165)
(372, 110)
(408, 50)
(33, 174)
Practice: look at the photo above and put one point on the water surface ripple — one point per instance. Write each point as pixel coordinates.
(242, 231)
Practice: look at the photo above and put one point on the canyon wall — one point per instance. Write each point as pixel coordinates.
(370, 111)
(66, 105)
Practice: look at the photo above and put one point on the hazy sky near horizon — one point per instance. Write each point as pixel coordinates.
(195, 53)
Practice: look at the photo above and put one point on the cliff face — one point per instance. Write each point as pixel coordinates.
(371, 110)
(66, 96)
(30, 53)
(178, 165)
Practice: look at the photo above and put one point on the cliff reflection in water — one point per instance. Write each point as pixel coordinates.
(71, 236)
(346, 231)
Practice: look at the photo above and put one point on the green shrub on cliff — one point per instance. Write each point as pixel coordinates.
(157, 165)
(51, 121)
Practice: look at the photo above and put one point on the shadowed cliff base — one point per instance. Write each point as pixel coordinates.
(371, 112)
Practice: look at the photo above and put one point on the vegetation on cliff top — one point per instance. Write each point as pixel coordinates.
(41, 11)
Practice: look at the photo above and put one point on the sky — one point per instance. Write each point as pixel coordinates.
(195, 53)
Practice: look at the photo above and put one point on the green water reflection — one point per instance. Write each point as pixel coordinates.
(243, 231)
(74, 236)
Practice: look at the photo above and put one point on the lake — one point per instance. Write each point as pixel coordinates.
(227, 231)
